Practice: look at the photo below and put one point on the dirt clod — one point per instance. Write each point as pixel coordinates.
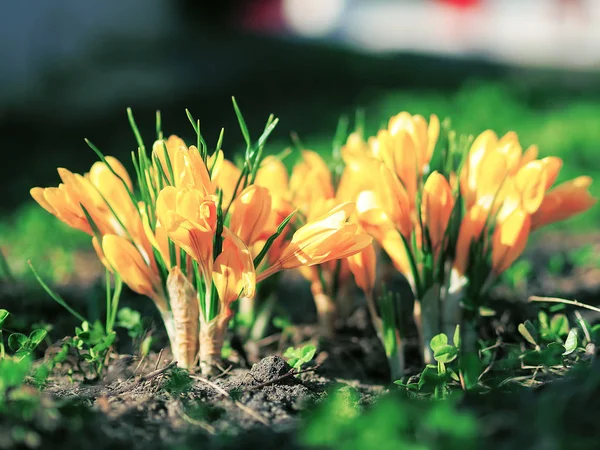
(271, 368)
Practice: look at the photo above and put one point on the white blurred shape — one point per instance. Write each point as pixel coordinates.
(313, 18)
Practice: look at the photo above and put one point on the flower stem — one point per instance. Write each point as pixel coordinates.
(186, 315)
(326, 309)
(212, 336)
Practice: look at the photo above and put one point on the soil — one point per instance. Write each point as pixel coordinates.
(150, 404)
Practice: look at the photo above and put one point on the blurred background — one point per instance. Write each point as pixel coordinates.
(69, 69)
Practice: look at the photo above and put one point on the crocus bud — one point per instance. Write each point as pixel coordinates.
(436, 208)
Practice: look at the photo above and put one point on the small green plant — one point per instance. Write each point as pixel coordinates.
(552, 340)
(24, 345)
(299, 356)
(17, 372)
(130, 320)
(453, 369)
(93, 340)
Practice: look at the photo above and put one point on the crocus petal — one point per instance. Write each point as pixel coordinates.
(127, 261)
(250, 213)
(552, 166)
(531, 181)
(233, 270)
(509, 240)
(327, 238)
(273, 175)
(470, 231)
(436, 208)
(362, 265)
(566, 200)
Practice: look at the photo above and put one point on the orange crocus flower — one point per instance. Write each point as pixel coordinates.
(76, 190)
(273, 175)
(310, 181)
(399, 153)
(189, 169)
(226, 175)
(424, 136)
(250, 212)
(125, 259)
(566, 200)
(509, 240)
(190, 220)
(326, 238)
(363, 267)
(470, 231)
(233, 272)
(436, 208)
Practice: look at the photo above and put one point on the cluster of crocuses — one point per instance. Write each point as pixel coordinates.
(197, 232)
(193, 234)
(451, 214)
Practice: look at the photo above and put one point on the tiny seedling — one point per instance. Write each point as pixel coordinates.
(552, 339)
(453, 368)
(24, 345)
(297, 357)
(93, 340)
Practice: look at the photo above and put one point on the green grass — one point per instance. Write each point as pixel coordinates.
(32, 233)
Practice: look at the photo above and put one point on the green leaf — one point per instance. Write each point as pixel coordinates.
(438, 341)
(308, 352)
(571, 342)
(543, 319)
(36, 337)
(453, 375)
(445, 354)
(57, 298)
(3, 315)
(272, 238)
(300, 356)
(528, 331)
(470, 369)
(105, 344)
(16, 341)
(559, 325)
(290, 352)
(128, 318)
(429, 378)
(242, 122)
(456, 338)
(552, 355)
